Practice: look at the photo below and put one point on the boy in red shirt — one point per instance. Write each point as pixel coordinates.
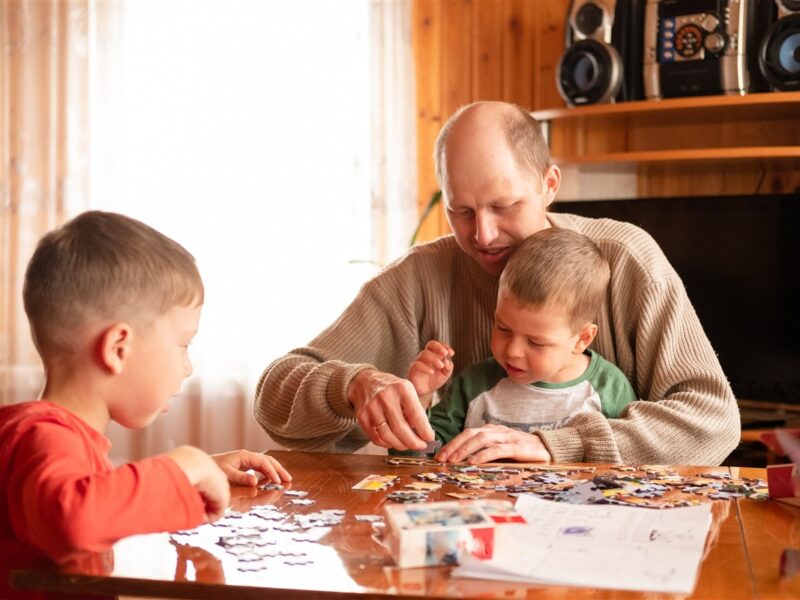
(113, 305)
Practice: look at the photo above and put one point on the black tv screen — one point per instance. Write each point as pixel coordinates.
(738, 257)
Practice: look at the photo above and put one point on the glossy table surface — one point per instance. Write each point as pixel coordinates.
(742, 551)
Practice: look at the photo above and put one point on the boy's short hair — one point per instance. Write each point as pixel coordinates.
(104, 266)
(559, 267)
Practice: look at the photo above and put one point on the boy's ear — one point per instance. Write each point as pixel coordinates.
(115, 347)
(585, 337)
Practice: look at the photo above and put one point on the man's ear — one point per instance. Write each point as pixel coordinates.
(551, 183)
(115, 347)
(585, 337)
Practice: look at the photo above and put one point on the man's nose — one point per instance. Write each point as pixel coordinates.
(485, 229)
(187, 368)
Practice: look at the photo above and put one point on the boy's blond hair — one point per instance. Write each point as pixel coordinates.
(562, 268)
(103, 266)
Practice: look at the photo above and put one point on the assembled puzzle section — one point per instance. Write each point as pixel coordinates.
(436, 533)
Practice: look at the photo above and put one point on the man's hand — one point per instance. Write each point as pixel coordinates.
(236, 464)
(493, 442)
(389, 411)
(431, 368)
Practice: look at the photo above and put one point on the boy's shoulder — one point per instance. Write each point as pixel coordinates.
(16, 419)
(612, 385)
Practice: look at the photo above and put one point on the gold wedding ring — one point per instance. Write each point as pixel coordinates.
(378, 426)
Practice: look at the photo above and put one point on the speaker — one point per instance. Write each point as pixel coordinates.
(603, 52)
(779, 53)
(703, 47)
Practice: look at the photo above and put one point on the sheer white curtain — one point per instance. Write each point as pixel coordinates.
(243, 130)
(394, 147)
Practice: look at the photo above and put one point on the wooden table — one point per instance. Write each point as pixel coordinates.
(742, 560)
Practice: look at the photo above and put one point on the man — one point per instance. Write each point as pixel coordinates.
(347, 386)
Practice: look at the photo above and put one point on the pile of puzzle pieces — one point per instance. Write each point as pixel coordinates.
(645, 486)
(256, 539)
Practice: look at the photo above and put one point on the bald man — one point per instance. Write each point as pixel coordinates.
(348, 386)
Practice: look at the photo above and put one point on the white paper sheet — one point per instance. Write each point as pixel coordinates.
(599, 546)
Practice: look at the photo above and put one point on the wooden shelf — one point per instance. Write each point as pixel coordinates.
(790, 155)
(775, 104)
(754, 131)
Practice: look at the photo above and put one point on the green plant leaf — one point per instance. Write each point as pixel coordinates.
(435, 199)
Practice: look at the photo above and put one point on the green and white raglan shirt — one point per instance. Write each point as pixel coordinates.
(483, 394)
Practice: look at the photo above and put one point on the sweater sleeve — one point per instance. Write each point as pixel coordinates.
(60, 506)
(301, 399)
(687, 413)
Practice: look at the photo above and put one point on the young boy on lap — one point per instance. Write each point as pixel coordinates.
(542, 372)
(113, 305)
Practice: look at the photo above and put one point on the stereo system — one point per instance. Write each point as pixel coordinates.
(620, 50)
(603, 56)
(779, 54)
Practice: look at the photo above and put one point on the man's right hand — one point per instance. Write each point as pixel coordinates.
(389, 411)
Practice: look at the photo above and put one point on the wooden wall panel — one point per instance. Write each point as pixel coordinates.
(518, 37)
(549, 46)
(488, 24)
(427, 40)
(456, 54)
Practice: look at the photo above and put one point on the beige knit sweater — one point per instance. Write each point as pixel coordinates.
(687, 413)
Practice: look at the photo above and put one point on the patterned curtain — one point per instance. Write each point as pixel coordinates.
(44, 156)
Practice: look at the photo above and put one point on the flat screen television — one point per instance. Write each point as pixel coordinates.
(739, 258)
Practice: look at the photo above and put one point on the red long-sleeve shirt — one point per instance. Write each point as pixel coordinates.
(61, 497)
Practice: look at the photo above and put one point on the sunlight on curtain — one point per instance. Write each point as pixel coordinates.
(44, 155)
(394, 128)
(242, 130)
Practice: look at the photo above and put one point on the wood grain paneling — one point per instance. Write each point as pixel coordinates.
(427, 41)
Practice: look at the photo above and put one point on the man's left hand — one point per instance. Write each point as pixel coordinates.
(493, 442)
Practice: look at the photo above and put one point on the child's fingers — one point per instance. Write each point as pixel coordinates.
(440, 348)
(279, 473)
(433, 359)
(241, 477)
(214, 510)
(421, 366)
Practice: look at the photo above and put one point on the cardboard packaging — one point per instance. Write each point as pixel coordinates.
(783, 480)
(436, 533)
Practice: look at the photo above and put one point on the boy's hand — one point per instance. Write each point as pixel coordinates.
(490, 442)
(236, 464)
(206, 476)
(431, 368)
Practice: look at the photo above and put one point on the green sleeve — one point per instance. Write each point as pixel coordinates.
(448, 416)
(614, 389)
